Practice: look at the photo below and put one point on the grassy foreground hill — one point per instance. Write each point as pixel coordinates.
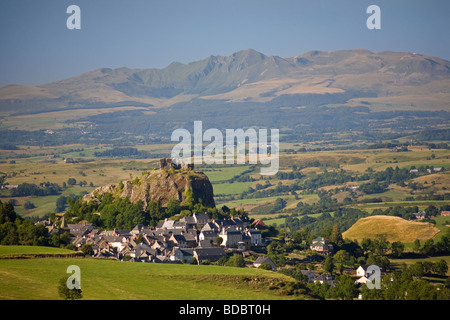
(395, 229)
(119, 280)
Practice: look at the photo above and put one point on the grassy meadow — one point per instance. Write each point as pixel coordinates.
(115, 280)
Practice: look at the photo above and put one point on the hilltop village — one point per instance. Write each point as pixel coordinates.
(194, 239)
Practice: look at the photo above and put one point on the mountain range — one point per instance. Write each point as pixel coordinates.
(339, 96)
(387, 77)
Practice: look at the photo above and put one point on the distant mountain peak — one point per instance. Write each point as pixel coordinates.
(250, 56)
(314, 72)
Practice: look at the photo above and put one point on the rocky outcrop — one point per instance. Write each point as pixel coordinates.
(160, 185)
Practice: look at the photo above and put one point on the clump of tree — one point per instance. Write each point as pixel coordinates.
(236, 260)
(14, 230)
(66, 293)
(128, 152)
(434, 248)
(407, 285)
(30, 189)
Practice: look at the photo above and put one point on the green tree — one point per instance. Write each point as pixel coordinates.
(236, 261)
(155, 210)
(381, 244)
(416, 247)
(397, 249)
(345, 288)
(189, 198)
(7, 212)
(66, 293)
(417, 269)
(61, 203)
(428, 247)
(367, 245)
(279, 204)
(87, 249)
(173, 207)
(336, 235)
(29, 205)
(440, 267)
(341, 257)
(328, 265)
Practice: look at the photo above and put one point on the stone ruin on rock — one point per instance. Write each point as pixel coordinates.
(168, 163)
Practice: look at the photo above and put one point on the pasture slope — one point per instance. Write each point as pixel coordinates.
(101, 279)
(395, 229)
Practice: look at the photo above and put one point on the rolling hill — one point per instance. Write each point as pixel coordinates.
(246, 75)
(103, 279)
(316, 96)
(395, 228)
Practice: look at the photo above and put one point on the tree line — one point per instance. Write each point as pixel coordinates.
(15, 230)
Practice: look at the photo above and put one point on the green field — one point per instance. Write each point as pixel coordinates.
(221, 174)
(29, 250)
(37, 278)
(118, 280)
(231, 188)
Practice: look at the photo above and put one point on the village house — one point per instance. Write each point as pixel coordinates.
(445, 213)
(419, 215)
(191, 239)
(240, 223)
(208, 235)
(363, 274)
(178, 240)
(258, 224)
(261, 260)
(138, 229)
(9, 186)
(166, 224)
(321, 245)
(210, 226)
(362, 270)
(314, 277)
(200, 218)
(79, 229)
(189, 222)
(180, 254)
(210, 254)
(116, 242)
(255, 237)
(142, 253)
(230, 238)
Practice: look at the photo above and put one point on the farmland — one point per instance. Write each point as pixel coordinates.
(230, 182)
(314, 190)
(119, 280)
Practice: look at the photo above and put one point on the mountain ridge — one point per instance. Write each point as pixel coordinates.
(246, 75)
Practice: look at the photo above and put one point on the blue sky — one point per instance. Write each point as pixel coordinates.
(37, 48)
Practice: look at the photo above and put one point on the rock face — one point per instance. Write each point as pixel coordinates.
(160, 185)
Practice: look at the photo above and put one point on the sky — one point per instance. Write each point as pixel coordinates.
(36, 47)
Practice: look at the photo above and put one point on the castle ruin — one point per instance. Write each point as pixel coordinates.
(167, 163)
